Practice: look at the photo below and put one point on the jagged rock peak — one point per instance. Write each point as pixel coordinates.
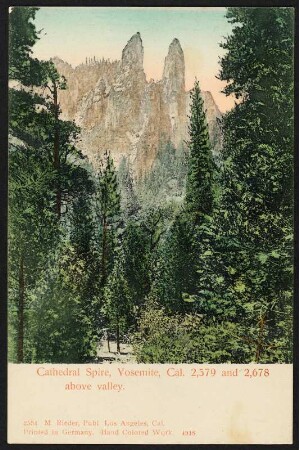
(118, 110)
(175, 46)
(132, 54)
(210, 104)
(174, 66)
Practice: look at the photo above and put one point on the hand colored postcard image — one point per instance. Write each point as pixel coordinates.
(151, 156)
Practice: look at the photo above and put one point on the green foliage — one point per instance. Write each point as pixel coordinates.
(61, 328)
(176, 275)
(247, 275)
(242, 249)
(22, 37)
(175, 272)
(81, 217)
(187, 338)
(259, 55)
(138, 261)
(108, 213)
(44, 167)
(200, 178)
(118, 306)
(109, 197)
(202, 276)
(32, 226)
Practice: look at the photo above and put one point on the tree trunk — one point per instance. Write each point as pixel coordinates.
(259, 344)
(108, 342)
(20, 356)
(117, 337)
(56, 156)
(104, 251)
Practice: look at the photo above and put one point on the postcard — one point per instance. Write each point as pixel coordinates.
(150, 225)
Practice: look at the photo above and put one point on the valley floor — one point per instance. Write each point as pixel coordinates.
(125, 356)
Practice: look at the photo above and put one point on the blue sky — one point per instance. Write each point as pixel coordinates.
(74, 33)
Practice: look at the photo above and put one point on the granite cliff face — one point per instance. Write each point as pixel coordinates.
(120, 111)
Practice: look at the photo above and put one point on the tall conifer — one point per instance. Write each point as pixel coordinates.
(199, 189)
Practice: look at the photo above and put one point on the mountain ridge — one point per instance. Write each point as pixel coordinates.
(120, 111)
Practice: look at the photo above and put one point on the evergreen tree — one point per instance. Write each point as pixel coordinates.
(118, 305)
(174, 272)
(81, 217)
(207, 278)
(22, 36)
(109, 214)
(41, 172)
(32, 227)
(138, 262)
(199, 189)
(251, 255)
(32, 233)
(177, 282)
(61, 326)
(53, 82)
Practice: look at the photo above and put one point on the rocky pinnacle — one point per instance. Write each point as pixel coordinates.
(119, 110)
(132, 54)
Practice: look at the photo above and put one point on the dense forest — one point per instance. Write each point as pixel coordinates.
(203, 277)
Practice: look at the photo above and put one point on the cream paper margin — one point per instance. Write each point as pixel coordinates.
(219, 409)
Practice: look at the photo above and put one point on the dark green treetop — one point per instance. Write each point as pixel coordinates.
(199, 188)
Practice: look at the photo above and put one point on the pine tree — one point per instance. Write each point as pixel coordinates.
(138, 261)
(62, 317)
(41, 173)
(32, 233)
(53, 82)
(177, 283)
(22, 36)
(31, 222)
(108, 213)
(250, 259)
(118, 305)
(174, 273)
(199, 188)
